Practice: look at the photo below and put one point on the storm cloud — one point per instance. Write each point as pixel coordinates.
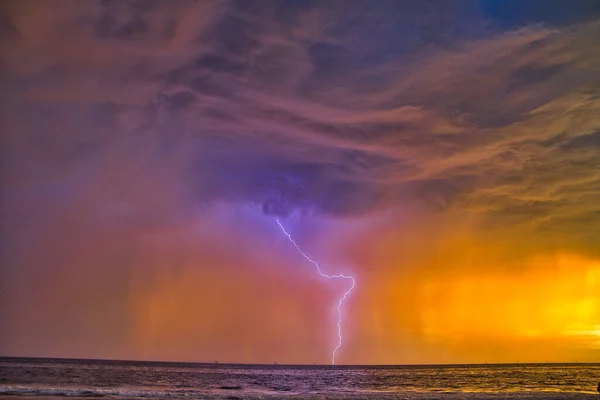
(137, 114)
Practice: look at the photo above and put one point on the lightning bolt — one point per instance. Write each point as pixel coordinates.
(340, 276)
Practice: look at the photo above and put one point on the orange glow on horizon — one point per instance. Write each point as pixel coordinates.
(550, 298)
(536, 309)
(541, 309)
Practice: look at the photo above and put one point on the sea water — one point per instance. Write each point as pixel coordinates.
(128, 379)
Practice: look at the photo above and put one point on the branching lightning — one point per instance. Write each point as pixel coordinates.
(341, 301)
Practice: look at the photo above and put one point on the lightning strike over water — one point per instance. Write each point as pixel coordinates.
(340, 276)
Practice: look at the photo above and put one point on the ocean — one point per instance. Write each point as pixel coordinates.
(53, 378)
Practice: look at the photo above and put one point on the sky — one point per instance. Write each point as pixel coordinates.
(446, 154)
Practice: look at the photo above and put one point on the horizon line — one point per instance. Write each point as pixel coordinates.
(233, 364)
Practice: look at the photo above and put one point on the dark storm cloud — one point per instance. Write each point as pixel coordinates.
(342, 107)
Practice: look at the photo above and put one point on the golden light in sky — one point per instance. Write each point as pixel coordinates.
(554, 298)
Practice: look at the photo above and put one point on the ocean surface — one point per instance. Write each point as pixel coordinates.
(143, 380)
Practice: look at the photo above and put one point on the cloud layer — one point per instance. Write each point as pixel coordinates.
(123, 119)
